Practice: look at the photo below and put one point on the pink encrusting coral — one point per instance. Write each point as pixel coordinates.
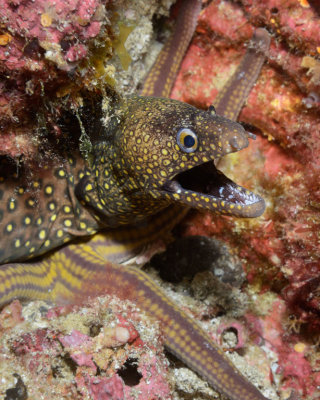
(40, 43)
(91, 352)
(280, 251)
(60, 23)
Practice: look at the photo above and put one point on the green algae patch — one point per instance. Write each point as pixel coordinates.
(119, 47)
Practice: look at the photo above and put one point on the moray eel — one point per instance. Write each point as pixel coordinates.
(160, 151)
(152, 162)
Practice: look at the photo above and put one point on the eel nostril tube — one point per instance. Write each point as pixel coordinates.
(235, 144)
(251, 135)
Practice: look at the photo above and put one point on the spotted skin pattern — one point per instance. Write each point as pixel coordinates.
(141, 164)
(39, 214)
(135, 161)
(126, 183)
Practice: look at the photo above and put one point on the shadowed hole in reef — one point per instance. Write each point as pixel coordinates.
(95, 329)
(19, 392)
(70, 363)
(65, 363)
(129, 372)
(63, 366)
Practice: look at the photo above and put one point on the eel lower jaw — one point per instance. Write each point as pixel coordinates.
(205, 187)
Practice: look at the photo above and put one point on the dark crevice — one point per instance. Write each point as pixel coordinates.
(129, 372)
(70, 363)
(18, 392)
(95, 329)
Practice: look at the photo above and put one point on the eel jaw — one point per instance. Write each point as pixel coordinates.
(205, 187)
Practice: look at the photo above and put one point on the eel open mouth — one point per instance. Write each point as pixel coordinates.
(205, 187)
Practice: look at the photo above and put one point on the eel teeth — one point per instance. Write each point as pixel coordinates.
(206, 179)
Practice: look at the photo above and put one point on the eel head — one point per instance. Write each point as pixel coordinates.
(169, 148)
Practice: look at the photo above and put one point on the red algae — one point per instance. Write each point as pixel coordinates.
(40, 43)
(280, 251)
(101, 388)
(53, 53)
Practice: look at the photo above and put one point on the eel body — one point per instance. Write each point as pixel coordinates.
(159, 152)
(161, 78)
(151, 163)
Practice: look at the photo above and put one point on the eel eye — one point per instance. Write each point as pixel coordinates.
(212, 110)
(187, 140)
